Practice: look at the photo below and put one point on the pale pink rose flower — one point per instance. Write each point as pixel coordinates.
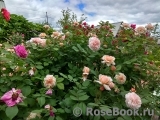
(38, 41)
(94, 43)
(149, 26)
(12, 97)
(109, 60)
(121, 78)
(49, 81)
(133, 101)
(85, 74)
(86, 70)
(141, 30)
(10, 74)
(48, 107)
(43, 42)
(21, 51)
(31, 72)
(125, 25)
(49, 92)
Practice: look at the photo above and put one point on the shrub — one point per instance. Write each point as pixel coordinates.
(60, 73)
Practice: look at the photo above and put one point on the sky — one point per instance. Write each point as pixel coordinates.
(139, 12)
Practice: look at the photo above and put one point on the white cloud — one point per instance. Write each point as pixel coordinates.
(139, 12)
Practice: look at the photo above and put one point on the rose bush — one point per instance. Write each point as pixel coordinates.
(46, 78)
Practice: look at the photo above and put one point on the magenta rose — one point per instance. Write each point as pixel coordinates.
(21, 51)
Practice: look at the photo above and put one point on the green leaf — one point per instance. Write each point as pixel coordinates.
(118, 67)
(84, 97)
(41, 101)
(60, 110)
(83, 108)
(58, 118)
(45, 64)
(105, 108)
(120, 118)
(92, 104)
(70, 77)
(127, 117)
(11, 112)
(37, 111)
(56, 49)
(26, 90)
(39, 67)
(73, 97)
(60, 86)
(51, 118)
(63, 75)
(75, 48)
(60, 80)
(144, 101)
(86, 83)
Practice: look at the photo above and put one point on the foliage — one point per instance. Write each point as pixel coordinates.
(18, 26)
(65, 60)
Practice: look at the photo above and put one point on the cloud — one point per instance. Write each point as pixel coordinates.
(139, 11)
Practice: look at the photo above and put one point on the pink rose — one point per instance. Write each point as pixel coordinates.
(49, 92)
(94, 43)
(121, 78)
(12, 97)
(21, 51)
(133, 101)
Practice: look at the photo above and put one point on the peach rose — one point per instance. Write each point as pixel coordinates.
(133, 101)
(85, 74)
(141, 30)
(121, 78)
(111, 85)
(49, 81)
(76, 23)
(42, 35)
(109, 60)
(86, 70)
(94, 43)
(149, 26)
(56, 34)
(46, 26)
(125, 25)
(104, 79)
